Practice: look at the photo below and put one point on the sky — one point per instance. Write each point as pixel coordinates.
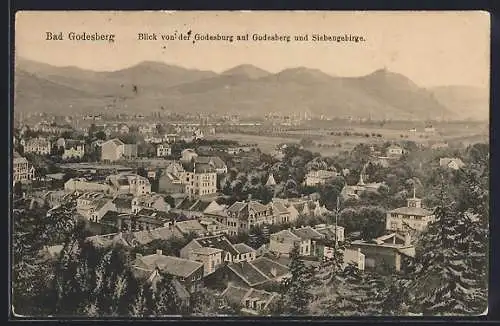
(431, 48)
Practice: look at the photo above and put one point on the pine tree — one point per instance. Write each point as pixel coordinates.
(442, 278)
(297, 288)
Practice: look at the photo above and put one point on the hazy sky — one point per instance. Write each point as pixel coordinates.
(431, 48)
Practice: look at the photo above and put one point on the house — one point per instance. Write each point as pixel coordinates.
(257, 273)
(249, 300)
(394, 151)
(192, 227)
(128, 183)
(246, 252)
(192, 208)
(213, 226)
(93, 206)
(241, 216)
(354, 257)
(210, 257)
(411, 217)
(385, 253)
(82, 185)
(429, 129)
(22, 171)
(188, 273)
(40, 146)
(230, 253)
(280, 213)
(171, 181)
(214, 161)
(451, 163)
(123, 203)
(188, 155)
(305, 238)
(331, 232)
(356, 190)
(201, 182)
(115, 150)
(73, 149)
(152, 201)
(163, 150)
(123, 129)
(319, 177)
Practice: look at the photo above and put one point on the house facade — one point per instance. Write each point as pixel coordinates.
(151, 201)
(163, 150)
(242, 216)
(188, 273)
(319, 177)
(22, 171)
(385, 253)
(409, 218)
(115, 150)
(40, 146)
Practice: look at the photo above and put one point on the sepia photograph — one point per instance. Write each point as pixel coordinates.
(250, 163)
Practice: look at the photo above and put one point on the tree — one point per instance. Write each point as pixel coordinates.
(443, 280)
(297, 288)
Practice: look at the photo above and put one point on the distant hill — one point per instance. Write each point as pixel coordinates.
(147, 86)
(248, 71)
(466, 101)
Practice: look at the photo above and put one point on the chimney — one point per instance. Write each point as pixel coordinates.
(159, 252)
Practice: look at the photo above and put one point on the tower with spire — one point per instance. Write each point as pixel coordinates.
(270, 181)
(414, 201)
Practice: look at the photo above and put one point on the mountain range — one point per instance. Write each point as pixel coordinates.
(153, 86)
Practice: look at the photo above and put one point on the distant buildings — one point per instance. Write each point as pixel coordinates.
(73, 149)
(451, 163)
(115, 150)
(394, 151)
(40, 146)
(319, 177)
(214, 161)
(163, 150)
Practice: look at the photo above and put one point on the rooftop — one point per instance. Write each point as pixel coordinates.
(169, 264)
(417, 211)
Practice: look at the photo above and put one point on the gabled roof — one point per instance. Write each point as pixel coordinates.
(286, 234)
(171, 265)
(153, 213)
(217, 241)
(417, 211)
(243, 248)
(206, 251)
(279, 208)
(236, 295)
(307, 233)
(114, 141)
(203, 168)
(189, 226)
(248, 273)
(270, 268)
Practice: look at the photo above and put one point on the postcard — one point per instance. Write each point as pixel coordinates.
(250, 163)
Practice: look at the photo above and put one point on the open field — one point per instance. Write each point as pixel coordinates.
(330, 141)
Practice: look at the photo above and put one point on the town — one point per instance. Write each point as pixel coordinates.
(178, 215)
